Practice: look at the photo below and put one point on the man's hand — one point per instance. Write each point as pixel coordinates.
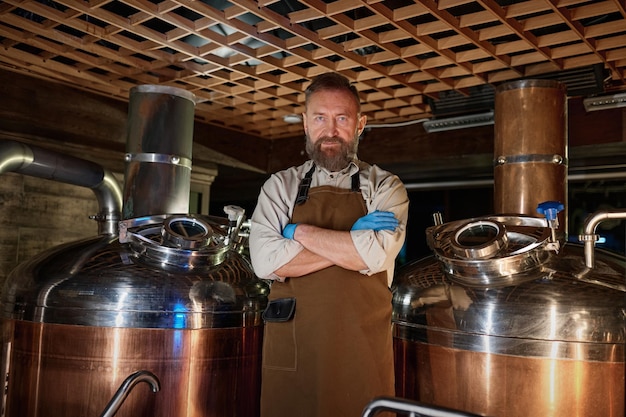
(376, 220)
(289, 230)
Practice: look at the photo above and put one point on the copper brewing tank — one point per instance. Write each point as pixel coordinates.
(506, 318)
(165, 298)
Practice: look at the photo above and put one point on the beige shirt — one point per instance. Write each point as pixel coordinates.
(381, 190)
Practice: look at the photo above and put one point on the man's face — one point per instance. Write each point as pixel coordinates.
(332, 125)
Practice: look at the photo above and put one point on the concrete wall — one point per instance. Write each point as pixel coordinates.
(37, 214)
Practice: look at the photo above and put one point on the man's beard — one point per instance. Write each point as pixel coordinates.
(332, 160)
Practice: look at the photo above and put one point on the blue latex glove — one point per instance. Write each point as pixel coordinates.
(289, 230)
(376, 220)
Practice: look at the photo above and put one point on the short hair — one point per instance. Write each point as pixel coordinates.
(332, 81)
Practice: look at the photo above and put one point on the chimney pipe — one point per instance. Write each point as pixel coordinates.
(530, 148)
(158, 146)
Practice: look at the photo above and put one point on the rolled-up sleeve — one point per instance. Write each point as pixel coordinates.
(379, 250)
(268, 249)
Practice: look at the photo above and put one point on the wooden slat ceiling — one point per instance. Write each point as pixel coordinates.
(248, 62)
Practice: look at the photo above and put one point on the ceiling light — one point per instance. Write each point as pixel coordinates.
(292, 118)
(605, 102)
(460, 122)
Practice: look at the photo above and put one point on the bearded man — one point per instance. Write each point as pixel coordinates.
(327, 234)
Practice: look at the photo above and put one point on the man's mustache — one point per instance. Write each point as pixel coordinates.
(333, 139)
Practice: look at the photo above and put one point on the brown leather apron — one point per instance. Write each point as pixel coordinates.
(336, 354)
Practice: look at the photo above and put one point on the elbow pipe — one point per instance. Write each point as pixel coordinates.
(42, 163)
(589, 236)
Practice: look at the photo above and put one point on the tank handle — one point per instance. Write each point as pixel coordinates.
(235, 221)
(410, 408)
(124, 389)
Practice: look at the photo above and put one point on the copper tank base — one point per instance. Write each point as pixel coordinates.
(202, 372)
(490, 384)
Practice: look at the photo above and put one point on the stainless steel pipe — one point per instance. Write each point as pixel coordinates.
(158, 151)
(43, 163)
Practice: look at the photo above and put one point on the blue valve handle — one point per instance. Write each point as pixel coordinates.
(550, 209)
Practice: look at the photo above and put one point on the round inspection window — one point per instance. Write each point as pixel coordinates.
(186, 232)
(479, 240)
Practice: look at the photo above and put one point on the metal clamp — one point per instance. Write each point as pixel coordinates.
(519, 159)
(159, 158)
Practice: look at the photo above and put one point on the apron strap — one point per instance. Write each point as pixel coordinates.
(356, 182)
(305, 184)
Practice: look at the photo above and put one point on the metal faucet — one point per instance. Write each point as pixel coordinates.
(124, 389)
